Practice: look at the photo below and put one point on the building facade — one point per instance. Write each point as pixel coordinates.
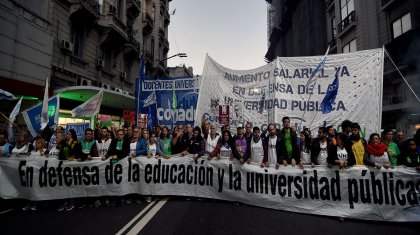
(83, 46)
(354, 25)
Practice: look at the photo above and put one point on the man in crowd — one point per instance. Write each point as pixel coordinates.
(393, 151)
(103, 143)
(358, 144)
(255, 151)
(290, 146)
(52, 142)
(274, 148)
(320, 147)
(248, 130)
(180, 140)
(346, 128)
(240, 142)
(89, 149)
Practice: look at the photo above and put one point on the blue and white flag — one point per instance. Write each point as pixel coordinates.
(312, 77)
(151, 99)
(12, 118)
(329, 98)
(89, 108)
(32, 116)
(44, 110)
(4, 95)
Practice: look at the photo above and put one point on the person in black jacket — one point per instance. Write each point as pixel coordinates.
(274, 145)
(320, 147)
(119, 147)
(290, 146)
(196, 144)
(341, 154)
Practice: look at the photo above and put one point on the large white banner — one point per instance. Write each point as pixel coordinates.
(278, 89)
(357, 192)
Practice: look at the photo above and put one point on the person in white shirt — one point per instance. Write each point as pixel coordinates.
(39, 149)
(103, 144)
(319, 148)
(211, 141)
(274, 148)
(22, 145)
(255, 151)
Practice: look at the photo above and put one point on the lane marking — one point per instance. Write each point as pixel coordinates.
(140, 225)
(4, 212)
(128, 227)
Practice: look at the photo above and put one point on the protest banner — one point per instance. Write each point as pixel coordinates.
(357, 192)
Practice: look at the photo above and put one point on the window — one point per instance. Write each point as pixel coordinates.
(120, 9)
(108, 60)
(347, 6)
(350, 47)
(401, 25)
(152, 48)
(333, 28)
(78, 39)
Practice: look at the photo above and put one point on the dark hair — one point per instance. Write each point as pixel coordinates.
(104, 127)
(345, 124)
(197, 128)
(88, 129)
(285, 118)
(323, 129)
(343, 137)
(3, 132)
(373, 135)
(355, 125)
(73, 134)
(255, 129)
(307, 140)
(161, 133)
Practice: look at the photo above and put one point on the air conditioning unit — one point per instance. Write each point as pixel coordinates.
(84, 82)
(123, 75)
(125, 92)
(100, 63)
(112, 9)
(66, 45)
(106, 86)
(118, 90)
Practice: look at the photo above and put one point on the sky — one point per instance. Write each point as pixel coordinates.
(233, 32)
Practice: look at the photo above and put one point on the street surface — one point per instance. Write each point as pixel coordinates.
(176, 215)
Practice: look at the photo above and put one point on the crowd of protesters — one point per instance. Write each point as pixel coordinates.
(268, 148)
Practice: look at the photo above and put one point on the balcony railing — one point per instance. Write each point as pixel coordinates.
(346, 22)
(92, 5)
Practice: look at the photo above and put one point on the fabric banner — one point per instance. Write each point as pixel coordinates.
(79, 128)
(279, 89)
(32, 116)
(160, 104)
(357, 192)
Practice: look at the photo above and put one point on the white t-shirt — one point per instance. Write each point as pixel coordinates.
(54, 152)
(381, 160)
(323, 154)
(342, 154)
(225, 151)
(211, 143)
(257, 151)
(103, 147)
(272, 155)
(133, 148)
(37, 153)
(23, 150)
(305, 155)
(152, 149)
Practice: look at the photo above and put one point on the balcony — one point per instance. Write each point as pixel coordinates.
(165, 46)
(330, 5)
(148, 24)
(84, 11)
(167, 18)
(148, 57)
(387, 5)
(347, 23)
(131, 48)
(115, 30)
(161, 70)
(161, 34)
(133, 8)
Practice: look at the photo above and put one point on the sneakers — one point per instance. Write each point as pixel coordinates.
(81, 206)
(148, 199)
(128, 201)
(138, 201)
(27, 207)
(63, 207)
(97, 203)
(34, 207)
(69, 207)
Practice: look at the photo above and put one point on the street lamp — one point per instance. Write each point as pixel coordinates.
(179, 55)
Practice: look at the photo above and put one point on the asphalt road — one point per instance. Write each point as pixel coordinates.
(176, 215)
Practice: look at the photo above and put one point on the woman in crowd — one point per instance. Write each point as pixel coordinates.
(5, 148)
(40, 148)
(411, 157)
(22, 145)
(377, 155)
(138, 145)
(341, 154)
(305, 149)
(72, 148)
(164, 143)
(225, 147)
(152, 147)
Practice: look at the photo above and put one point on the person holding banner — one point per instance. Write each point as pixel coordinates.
(89, 149)
(152, 147)
(180, 140)
(56, 150)
(377, 153)
(346, 128)
(290, 146)
(248, 131)
(52, 142)
(241, 143)
(205, 127)
(39, 149)
(102, 145)
(225, 147)
(256, 149)
(211, 140)
(196, 145)
(22, 145)
(341, 154)
(305, 149)
(358, 144)
(73, 148)
(274, 148)
(138, 145)
(411, 157)
(5, 148)
(320, 147)
(119, 148)
(164, 143)
(393, 150)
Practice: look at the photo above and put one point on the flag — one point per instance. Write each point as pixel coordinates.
(12, 118)
(4, 95)
(261, 109)
(139, 80)
(44, 110)
(174, 99)
(151, 99)
(329, 98)
(149, 120)
(90, 107)
(318, 67)
(32, 116)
